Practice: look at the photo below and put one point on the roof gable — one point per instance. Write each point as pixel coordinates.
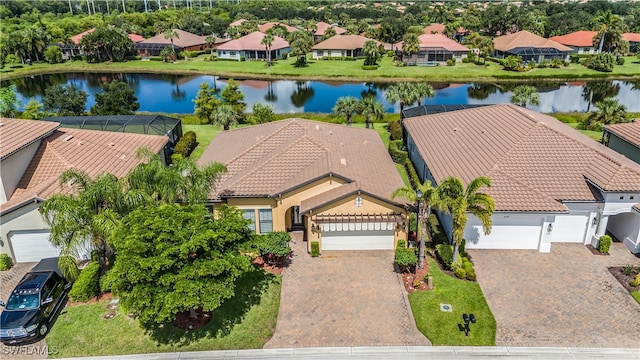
(523, 39)
(343, 42)
(184, 39)
(580, 38)
(321, 28)
(16, 134)
(252, 42)
(437, 41)
(629, 132)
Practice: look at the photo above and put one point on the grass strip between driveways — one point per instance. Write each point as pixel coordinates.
(246, 321)
(636, 295)
(464, 297)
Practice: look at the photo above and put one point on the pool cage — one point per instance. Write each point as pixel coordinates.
(534, 54)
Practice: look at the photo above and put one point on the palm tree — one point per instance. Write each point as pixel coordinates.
(347, 106)
(403, 93)
(371, 109)
(609, 23)
(410, 44)
(425, 194)
(171, 34)
(267, 41)
(371, 50)
(610, 111)
(456, 199)
(211, 40)
(525, 94)
(422, 91)
(225, 116)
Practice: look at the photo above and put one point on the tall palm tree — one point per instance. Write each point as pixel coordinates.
(403, 93)
(211, 40)
(609, 23)
(267, 41)
(372, 109)
(371, 50)
(171, 34)
(427, 199)
(347, 106)
(456, 199)
(610, 111)
(225, 116)
(410, 44)
(525, 94)
(423, 90)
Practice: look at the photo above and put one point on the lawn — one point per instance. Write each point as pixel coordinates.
(465, 297)
(636, 295)
(246, 321)
(331, 70)
(595, 135)
(204, 135)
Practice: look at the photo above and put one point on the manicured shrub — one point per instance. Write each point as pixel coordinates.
(417, 283)
(274, 247)
(395, 130)
(401, 243)
(338, 58)
(315, 249)
(635, 281)
(5, 262)
(451, 62)
(620, 61)
(88, 284)
(186, 144)
(471, 275)
(627, 269)
(398, 156)
(544, 64)
(604, 244)
(466, 60)
(413, 175)
(406, 259)
(601, 62)
(412, 222)
(369, 67)
(512, 63)
(445, 253)
(460, 273)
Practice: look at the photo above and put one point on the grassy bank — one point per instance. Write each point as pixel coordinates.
(333, 70)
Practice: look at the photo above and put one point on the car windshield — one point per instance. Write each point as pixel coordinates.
(23, 300)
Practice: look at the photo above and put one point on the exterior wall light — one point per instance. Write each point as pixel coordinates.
(549, 228)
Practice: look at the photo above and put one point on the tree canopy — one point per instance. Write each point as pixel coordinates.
(65, 100)
(117, 98)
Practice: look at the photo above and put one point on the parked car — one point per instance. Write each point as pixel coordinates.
(34, 303)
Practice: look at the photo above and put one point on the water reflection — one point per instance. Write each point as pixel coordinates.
(174, 93)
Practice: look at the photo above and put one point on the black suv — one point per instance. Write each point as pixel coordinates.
(34, 303)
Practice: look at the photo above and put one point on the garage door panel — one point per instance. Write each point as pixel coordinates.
(32, 246)
(358, 240)
(522, 237)
(569, 228)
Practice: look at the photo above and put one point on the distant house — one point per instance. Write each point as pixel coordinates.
(321, 28)
(340, 46)
(624, 138)
(434, 49)
(185, 41)
(633, 39)
(268, 26)
(581, 42)
(73, 48)
(249, 47)
(238, 22)
(436, 28)
(530, 47)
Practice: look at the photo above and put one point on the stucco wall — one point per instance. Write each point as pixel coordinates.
(623, 147)
(13, 168)
(25, 218)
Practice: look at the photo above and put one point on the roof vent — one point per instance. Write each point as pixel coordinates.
(123, 157)
(112, 144)
(455, 129)
(67, 138)
(1, 124)
(330, 132)
(80, 142)
(343, 161)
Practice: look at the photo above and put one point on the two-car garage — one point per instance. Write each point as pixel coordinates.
(357, 236)
(32, 246)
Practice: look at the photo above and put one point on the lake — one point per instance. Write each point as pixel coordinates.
(175, 93)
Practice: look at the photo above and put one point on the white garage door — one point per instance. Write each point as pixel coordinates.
(357, 236)
(508, 232)
(569, 228)
(32, 246)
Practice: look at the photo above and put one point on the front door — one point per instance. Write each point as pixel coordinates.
(296, 218)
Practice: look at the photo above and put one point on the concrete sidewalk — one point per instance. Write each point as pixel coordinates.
(397, 352)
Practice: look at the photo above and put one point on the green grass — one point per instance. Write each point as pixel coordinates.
(246, 321)
(636, 295)
(328, 70)
(204, 135)
(465, 297)
(595, 135)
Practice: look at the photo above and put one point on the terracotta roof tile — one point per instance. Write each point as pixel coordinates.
(631, 37)
(322, 26)
(185, 39)
(16, 134)
(580, 38)
(526, 39)
(525, 151)
(343, 42)
(627, 131)
(438, 29)
(76, 38)
(265, 27)
(437, 41)
(252, 42)
(238, 22)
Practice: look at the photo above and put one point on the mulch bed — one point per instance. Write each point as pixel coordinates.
(259, 263)
(409, 278)
(595, 251)
(105, 296)
(185, 322)
(617, 273)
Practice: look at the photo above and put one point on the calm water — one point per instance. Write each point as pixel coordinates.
(175, 93)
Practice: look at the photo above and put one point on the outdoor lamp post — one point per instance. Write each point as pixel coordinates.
(421, 250)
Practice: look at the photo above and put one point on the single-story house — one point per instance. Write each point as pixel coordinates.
(437, 28)
(184, 41)
(321, 28)
(268, 26)
(73, 48)
(333, 182)
(38, 152)
(581, 42)
(434, 49)
(633, 39)
(249, 47)
(550, 183)
(340, 46)
(624, 138)
(530, 47)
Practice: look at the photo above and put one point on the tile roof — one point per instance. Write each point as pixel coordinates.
(343, 42)
(184, 39)
(76, 38)
(631, 37)
(270, 159)
(628, 131)
(265, 27)
(322, 26)
(526, 39)
(437, 41)
(580, 38)
(16, 134)
(238, 22)
(436, 28)
(92, 151)
(534, 160)
(252, 42)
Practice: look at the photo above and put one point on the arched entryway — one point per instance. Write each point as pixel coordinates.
(294, 220)
(625, 227)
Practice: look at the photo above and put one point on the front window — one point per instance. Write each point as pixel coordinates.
(266, 221)
(23, 300)
(250, 215)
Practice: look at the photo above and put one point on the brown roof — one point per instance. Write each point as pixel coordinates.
(437, 41)
(271, 159)
(628, 131)
(16, 134)
(252, 42)
(322, 26)
(439, 29)
(631, 37)
(580, 38)
(238, 22)
(526, 39)
(533, 160)
(265, 27)
(76, 38)
(184, 39)
(343, 42)
(94, 152)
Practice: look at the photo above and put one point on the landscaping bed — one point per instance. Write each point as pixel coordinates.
(625, 275)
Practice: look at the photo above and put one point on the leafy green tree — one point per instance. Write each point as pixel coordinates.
(64, 100)
(9, 102)
(410, 45)
(206, 102)
(346, 106)
(267, 41)
(226, 116)
(33, 110)
(274, 247)
(35, 39)
(262, 113)
(301, 43)
(53, 54)
(372, 51)
(211, 40)
(512, 63)
(525, 94)
(403, 93)
(456, 199)
(174, 258)
(231, 95)
(106, 43)
(610, 111)
(484, 44)
(372, 110)
(117, 98)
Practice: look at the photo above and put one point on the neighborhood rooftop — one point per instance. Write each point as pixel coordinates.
(17, 134)
(525, 39)
(580, 38)
(630, 132)
(343, 42)
(252, 42)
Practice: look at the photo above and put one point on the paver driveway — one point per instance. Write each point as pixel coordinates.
(344, 298)
(8, 280)
(563, 298)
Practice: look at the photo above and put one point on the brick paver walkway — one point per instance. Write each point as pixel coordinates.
(8, 280)
(344, 298)
(563, 298)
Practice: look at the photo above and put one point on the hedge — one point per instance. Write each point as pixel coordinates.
(413, 175)
(398, 156)
(88, 284)
(445, 253)
(5, 262)
(186, 144)
(338, 58)
(604, 244)
(315, 249)
(370, 67)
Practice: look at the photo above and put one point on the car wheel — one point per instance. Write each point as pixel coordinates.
(43, 330)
